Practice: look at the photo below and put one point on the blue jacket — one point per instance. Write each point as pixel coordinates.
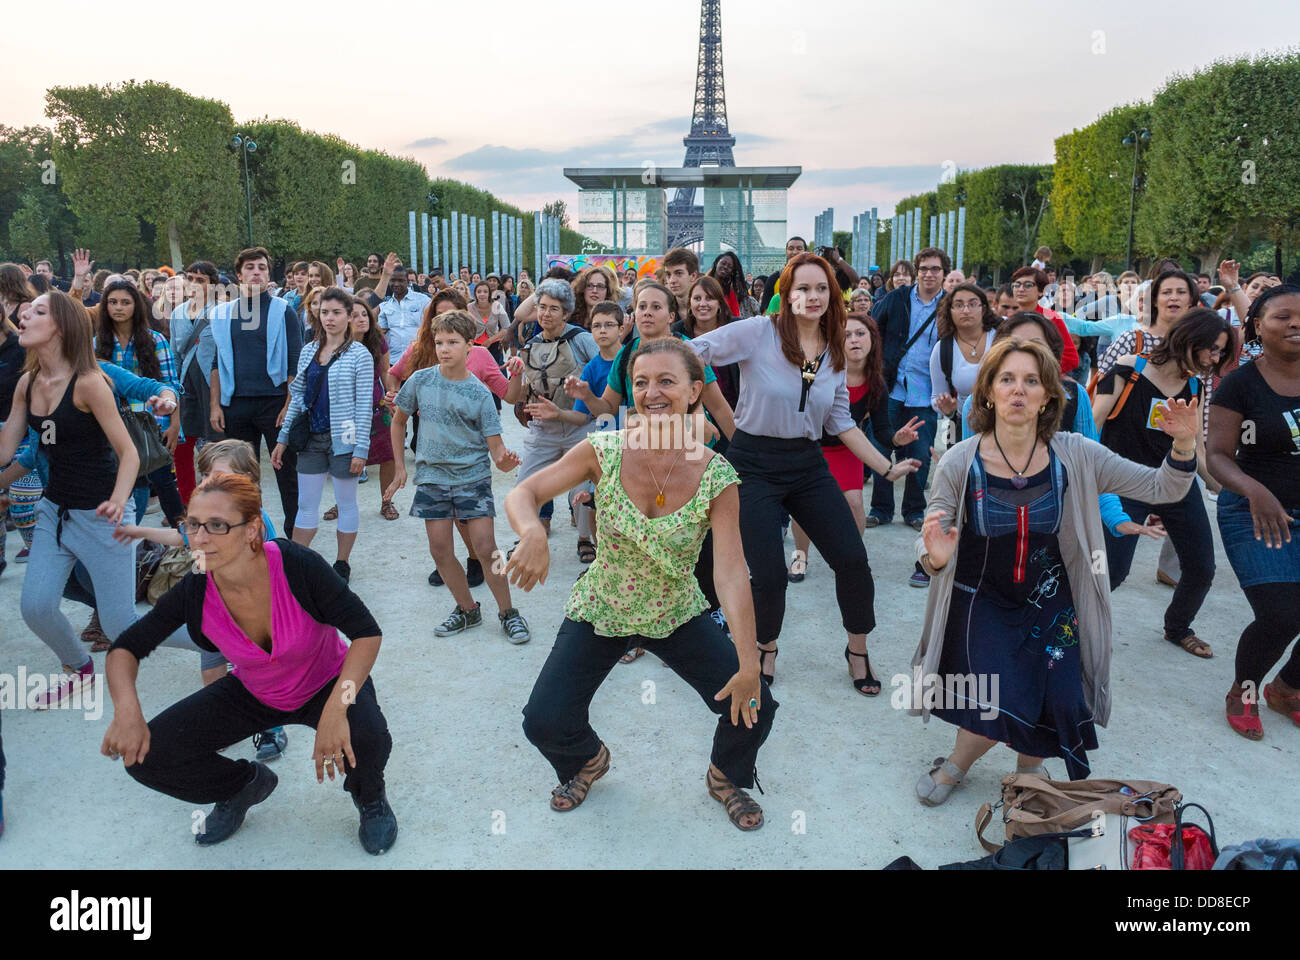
(893, 315)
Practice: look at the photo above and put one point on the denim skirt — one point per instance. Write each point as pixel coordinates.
(1252, 561)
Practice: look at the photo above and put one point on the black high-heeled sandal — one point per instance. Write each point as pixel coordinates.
(864, 685)
(769, 677)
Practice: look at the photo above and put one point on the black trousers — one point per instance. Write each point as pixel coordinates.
(184, 739)
(556, 717)
(253, 419)
(1262, 644)
(791, 476)
(1189, 532)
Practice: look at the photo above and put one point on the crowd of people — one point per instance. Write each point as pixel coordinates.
(689, 421)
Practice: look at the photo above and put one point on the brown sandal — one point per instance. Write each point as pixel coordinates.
(332, 513)
(575, 791)
(737, 803)
(633, 654)
(1193, 645)
(388, 511)
(1288, 706)
(95, 636)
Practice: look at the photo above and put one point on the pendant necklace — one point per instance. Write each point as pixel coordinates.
(1018, 481)
(809, 373)
(965, 344)
(659, 498)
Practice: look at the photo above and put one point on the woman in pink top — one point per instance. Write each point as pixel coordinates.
(274, 611)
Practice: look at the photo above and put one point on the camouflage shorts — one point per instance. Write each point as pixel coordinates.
(461, 501)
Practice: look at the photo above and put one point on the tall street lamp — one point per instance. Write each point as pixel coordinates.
(1135, 139)
(246, 145)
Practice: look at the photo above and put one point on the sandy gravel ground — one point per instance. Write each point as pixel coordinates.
(470, 791)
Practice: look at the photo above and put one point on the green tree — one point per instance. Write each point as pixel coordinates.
(150, 151)
(29, 235)
(1091, 183)
(27, 172)
(1004, 207)
(558, 209)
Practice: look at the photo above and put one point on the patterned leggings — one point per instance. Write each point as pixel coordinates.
(24, 494)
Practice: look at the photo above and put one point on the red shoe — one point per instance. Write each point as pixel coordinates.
(1246, 722)
(1288, 706)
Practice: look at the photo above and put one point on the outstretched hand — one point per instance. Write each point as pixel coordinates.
(940, 545)
(908, 432)
(1181, 419)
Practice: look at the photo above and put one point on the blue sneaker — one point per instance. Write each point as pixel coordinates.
(270, 744)
(919, 579)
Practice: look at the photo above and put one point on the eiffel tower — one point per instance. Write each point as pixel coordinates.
(709, 143)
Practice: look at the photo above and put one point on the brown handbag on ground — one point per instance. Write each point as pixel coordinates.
(1032, 805)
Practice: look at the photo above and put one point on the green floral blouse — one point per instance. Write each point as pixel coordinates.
(642, 582)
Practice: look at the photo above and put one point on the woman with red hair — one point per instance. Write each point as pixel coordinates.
(274, 610)
(793, 389)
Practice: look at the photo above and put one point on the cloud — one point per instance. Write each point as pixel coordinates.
(668, 125)
(906, 178)
(425, 143)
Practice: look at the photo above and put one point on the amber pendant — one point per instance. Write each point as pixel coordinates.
(659, 500)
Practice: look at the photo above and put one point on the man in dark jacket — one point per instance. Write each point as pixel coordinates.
(906, 318)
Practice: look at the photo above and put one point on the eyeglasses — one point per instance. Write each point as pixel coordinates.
(967, 305)
(217, 528)
(1024, 285)
(929, 269)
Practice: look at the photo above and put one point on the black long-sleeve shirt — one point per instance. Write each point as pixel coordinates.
(320, 592)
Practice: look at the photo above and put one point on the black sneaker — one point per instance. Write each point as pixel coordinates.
(228, 815)
(378, 830)
(434, 579)
(474, 573)
(343, 569)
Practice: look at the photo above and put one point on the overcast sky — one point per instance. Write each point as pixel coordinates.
(871, 99)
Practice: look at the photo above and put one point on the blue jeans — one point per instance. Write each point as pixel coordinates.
(882, 492)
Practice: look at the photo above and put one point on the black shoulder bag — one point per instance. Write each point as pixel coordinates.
(300, 430)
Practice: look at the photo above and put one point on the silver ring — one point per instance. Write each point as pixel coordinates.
(753, 702)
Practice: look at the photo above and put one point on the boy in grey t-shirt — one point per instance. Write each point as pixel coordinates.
(459, 438)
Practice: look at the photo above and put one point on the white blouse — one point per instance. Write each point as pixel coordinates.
(964, 372)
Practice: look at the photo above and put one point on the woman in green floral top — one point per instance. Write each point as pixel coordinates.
(658, 492)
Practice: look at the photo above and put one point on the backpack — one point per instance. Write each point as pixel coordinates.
(1138, 344)
(547, 364)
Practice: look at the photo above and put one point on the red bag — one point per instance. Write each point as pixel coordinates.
(1173, 846)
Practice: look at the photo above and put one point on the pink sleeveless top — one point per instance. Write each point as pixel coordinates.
(305, 655)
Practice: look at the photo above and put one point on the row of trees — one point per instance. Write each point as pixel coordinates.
(1219, 176)
(145, 173)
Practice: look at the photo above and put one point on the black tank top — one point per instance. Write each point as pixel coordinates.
(83, 466)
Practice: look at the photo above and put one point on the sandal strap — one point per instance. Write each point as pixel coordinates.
(948, 768)
(737, 803)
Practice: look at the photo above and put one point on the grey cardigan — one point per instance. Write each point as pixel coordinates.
(1092, 470)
